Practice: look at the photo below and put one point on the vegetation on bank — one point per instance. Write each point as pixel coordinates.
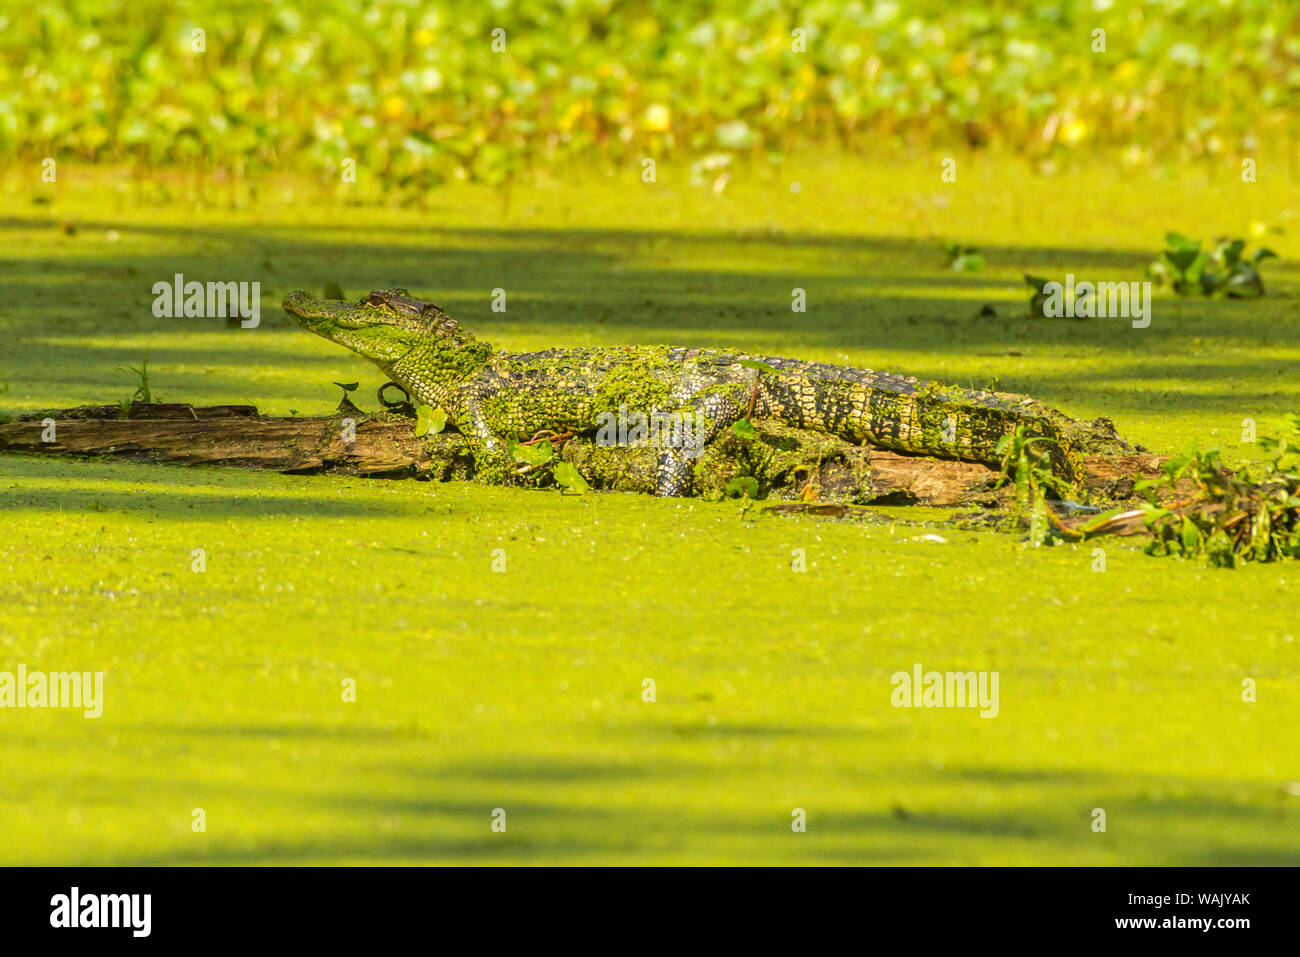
(418, 93)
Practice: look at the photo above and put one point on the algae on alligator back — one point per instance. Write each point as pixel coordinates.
(497, 398)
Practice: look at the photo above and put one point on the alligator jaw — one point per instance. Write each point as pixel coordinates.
(318, 315)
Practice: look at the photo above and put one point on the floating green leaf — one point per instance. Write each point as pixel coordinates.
(538, 454)
(963, 258)
(429, 421)
(566, 476)
(744, 429)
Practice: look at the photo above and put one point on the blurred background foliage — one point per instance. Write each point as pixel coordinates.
(415, 93)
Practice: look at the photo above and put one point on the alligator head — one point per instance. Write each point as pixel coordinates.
(383, 326)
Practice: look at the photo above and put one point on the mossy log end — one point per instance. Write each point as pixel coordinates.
(786, 462)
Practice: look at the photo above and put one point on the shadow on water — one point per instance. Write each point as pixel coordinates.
(566, 810)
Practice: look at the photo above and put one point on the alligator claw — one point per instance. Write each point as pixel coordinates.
(402, 406)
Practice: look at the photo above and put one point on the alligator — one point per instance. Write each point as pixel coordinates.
(496, 399)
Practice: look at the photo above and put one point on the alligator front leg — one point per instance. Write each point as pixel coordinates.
(492, 462)
(707, 415)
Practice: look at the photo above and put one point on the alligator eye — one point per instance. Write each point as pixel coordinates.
(376, 299)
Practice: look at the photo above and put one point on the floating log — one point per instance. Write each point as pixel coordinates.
(788, 463)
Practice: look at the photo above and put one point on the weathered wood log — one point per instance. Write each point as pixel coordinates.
(234, 435)
(787, 462)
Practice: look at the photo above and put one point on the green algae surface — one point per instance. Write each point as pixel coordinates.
(503, 644)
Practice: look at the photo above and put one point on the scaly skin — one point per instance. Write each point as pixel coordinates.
(495, 397)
